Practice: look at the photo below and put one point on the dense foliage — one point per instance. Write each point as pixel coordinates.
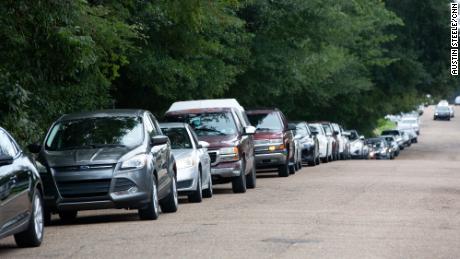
(347, 61)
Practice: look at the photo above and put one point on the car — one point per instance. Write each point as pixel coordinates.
(222, 123)
(406, 138)
(274, 140)
(393, 144)
(357, 147)
(457, 100)
(380, 149)
(309, 143)
(409, 123)
(192, 161)
(442, 113)
(342, 141)
(324, 141)
(107, 159)
(347, 146)
(297, 150)
(398, 137)
(420, 109)
(334, 139)
(21, 195)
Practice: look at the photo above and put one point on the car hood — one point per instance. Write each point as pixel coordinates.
(220, 141)
(84, 156)
(182, 153)
(268, 135)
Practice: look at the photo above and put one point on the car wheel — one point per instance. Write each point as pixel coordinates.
(68, 216)
(318, 160)
(292, 168)
(239, 182)
(283, 170)
(251, 177)
(208, 192)
(33, 235)
(152, 211)
(197, 195)
(170, 203)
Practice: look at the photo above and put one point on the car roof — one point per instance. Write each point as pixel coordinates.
(205, 104)
(387, 136)
(103, 113)
(173, 125)
(262, 110)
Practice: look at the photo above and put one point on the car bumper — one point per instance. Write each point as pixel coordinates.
(308, 153)
(83, 190)
(267, 160)
(186, 179)
(226, 169)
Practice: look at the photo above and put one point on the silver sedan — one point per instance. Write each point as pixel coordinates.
(192, 161)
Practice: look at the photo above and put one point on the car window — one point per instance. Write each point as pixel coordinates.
(119, 131)
(302, 130)
(149, 125)
(7, 147)
(266, 121)
(179, 138)
(213, 123)
(327, 128)
(318, 128)
(194, 136)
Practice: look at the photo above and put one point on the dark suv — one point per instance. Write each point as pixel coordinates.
(309, 143)
(224, 125)
(274, 140)
(21, 206)
(107, 159)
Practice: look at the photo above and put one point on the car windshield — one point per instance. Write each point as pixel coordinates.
(179, 138)
(95, 133)
(266, 121)
(327, 128)
(442, 109)
(212, 124)
(390, 132)
(302, 130)
(316, 128)
(353, 135)
(408, 121)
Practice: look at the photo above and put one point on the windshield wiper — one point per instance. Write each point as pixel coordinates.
(108, 145)
(210, 130)
(265, 129)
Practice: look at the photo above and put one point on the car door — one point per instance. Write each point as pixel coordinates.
(203, 156)
(159, 156)
(165, 155)
(14, 184)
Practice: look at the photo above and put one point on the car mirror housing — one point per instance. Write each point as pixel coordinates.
(249, 130)
(159, 140)
(6, 159)
(203, 144)
(34, 148)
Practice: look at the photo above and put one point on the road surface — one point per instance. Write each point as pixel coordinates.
(406, 208)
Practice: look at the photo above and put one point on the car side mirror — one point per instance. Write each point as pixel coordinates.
(249, 130)
(314, 133)
(159, 140)
(361, 137)
(336, 133)
(6, 159)
(34, 148)
(203, 144)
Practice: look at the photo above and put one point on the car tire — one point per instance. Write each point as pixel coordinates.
(292, 168)
(197, 195)
(152, 210)
(312, 162)
(251, 178)
(68, 216)
(239, 182)
(283, 170)
(318, 160)
(33, 235)
(170, 203)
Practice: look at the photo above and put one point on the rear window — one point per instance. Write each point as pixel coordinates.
(266, 121)
(179, 138)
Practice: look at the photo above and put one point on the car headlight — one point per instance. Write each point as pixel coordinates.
(185, 163)
(229, 154)
(136, 162)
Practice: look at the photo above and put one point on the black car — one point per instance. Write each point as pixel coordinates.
(107, 159)
(442, 113)
(309, 143)
(21, 206)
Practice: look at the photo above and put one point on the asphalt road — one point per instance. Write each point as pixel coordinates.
(406, 208)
